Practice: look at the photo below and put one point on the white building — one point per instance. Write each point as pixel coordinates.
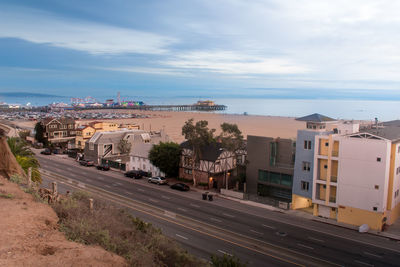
(139, 160)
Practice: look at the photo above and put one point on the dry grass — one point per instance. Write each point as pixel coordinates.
(117, 231)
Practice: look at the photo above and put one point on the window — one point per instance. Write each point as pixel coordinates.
(326, 144)
(91, 146)
(397, 170)
(324, 186)
(64, 133)
(63, 126)
(53, 126)
(396, 194)
(188, 171)
(144, 166)
(71, 126)
(307, 144)
(325, 166)
(306, 166)
(398, 149)
(375, 208)
(376, 186)
(378, 159)
(305, 185)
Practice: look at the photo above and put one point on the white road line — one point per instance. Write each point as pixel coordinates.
(316, 239)
(165, 197)
(69, 181)
(304, 246)
(118, 183)
(194, 205)
(268, 226)
(182, 209)
(256, 232)
(153, 200)
(215, 220)
(181, 236)
(363, 263)
(170, 214)
(228, 215)
(371, 254)
(81, 185)
(223, 252)
(129, 193)
(141, 190)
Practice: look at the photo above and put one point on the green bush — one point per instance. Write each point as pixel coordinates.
(18, 179)
(226, 261)
(116, 230)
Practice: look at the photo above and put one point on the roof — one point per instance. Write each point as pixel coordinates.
(391, 133)
(316, 117)
(141, 150)
(392, 123)
(60, 120)
(211, 152)
(110, 137)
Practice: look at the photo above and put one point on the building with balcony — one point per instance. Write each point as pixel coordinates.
(59, 131)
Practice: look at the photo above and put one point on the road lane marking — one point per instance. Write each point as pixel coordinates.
(363, 263)
(316, 239)
(141, 190)
(129, 193)
(228, 215)
(165, 197)
(304, 246)
(182, 209)
(268, 226)
(215, 220)
(81, 185)
(170, 214)
(118, 183)
(153, 200)
(115, 184)
(223, 252)
(194, 205)
(181, 236)
(256, 232)
(371, 254)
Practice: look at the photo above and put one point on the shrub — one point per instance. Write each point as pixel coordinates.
(18, 179)
(226, 261)
(116, 230)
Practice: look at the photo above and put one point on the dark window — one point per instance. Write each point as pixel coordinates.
(376, 186)
(375, 208)
(378, 159)
(305, 185)
(262, 175)
(326, 144)
(325, 166)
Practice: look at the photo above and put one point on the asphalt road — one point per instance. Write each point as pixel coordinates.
(277, 233)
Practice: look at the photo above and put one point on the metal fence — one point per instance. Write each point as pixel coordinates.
(114, 164)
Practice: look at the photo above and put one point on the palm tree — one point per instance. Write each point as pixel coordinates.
(25, 157)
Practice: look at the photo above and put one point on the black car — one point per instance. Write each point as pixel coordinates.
(180, 187)
(46, 151)
(103, 167)
(137, 174)
(86, 163)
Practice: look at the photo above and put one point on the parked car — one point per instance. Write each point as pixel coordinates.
(137, 174)
(86, 163)
(158, 180)
(46, 151)
(103, 167)
(180, 187)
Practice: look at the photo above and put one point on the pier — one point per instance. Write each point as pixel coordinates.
(194, 107)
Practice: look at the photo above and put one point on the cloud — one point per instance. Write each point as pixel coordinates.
(235, 63)
(95, 38)
(144, 70)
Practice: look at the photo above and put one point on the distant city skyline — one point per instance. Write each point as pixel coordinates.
(200, 48)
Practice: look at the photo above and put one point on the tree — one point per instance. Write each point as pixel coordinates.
(231, 137)
(165, 156)
(124, 146)
(24, 133)
(226, 261)
(39, 134)
(198, 135)
(25, 157)
(232, 140)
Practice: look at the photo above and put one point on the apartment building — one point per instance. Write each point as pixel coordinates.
(355, 174)
(60, 131)
(269, 171)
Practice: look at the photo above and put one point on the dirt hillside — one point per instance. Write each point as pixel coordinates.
(8, 163)
(30, 236)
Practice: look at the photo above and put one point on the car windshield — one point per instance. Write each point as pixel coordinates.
(161, 178)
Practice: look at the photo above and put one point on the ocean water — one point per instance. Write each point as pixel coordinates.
(384, 110)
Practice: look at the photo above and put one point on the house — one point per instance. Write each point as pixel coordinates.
(83, 133)
(214, 167)
(269, 172)
(355, 174)
(60, 131)
(107, 145)
(139, 160)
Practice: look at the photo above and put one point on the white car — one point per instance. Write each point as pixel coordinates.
(158, 180)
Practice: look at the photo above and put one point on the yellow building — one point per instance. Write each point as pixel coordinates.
(83, 133)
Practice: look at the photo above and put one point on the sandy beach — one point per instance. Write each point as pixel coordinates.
(172, 122)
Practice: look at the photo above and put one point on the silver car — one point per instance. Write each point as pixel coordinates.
(158, 180)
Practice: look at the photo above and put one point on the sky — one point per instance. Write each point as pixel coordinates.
(198, 48)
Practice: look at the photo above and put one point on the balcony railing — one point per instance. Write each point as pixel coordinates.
(333, 179)
(332, 199)
(335, 153)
